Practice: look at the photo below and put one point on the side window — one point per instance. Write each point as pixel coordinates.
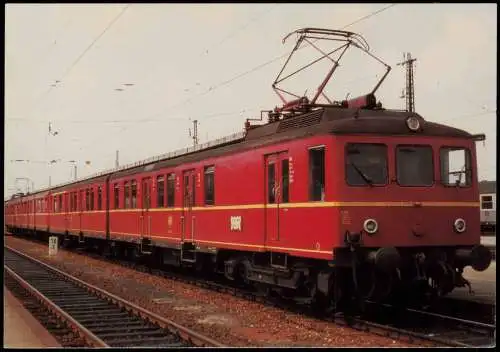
(160, 192)
(317, 174)
(55, 205)
(116, 196)
(75, 201)
(91, 199)
(285, 181)
(486, 202)
(456, 166)
(271, 183)
(171, 190)
(60, 203)
(87, 199)
(99, 198)
(133, 186)
(126, 190)
(81, 203)
(209, 185)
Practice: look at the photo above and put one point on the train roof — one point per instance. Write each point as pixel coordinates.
(322, 121)
(325, 120)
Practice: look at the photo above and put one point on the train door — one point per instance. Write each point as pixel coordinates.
(81, 205)
(145, 218)
(66, 211)
(277, 193)
(36, 210)
(188, 202)
(30, 214)
(14, 222)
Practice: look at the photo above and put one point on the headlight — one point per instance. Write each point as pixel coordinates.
(413, 123)
(459, 225)
(370, 226)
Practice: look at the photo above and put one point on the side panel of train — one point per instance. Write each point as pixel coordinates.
(79, 210)
(231, 202)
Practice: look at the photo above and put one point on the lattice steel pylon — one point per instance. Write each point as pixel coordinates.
(194, 135)
(409, 93)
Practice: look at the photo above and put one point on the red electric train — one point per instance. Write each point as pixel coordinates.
(323, 201)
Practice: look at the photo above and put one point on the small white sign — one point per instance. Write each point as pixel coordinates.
(235, 223)
(53, 245)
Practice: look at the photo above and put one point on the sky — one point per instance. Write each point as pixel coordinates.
(132, 78)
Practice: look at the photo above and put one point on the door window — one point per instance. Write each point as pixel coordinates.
(126, 191)
(146, 194)
(271, 184)
(171, 190)
(160, 190)
(209, 185)
(317, 174)
(285, 181)
(133, 196)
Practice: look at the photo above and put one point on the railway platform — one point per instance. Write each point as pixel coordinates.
(21, 329)
(483, 283)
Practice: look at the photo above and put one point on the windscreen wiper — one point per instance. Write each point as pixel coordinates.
(363, 176)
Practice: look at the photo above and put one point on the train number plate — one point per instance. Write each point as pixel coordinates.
(235, 223)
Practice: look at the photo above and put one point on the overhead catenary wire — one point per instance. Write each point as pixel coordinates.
(226, 82)
(211, 89)
(239, 29)
(78, 59)
(54, 44)
(208, 116)
(205, 51)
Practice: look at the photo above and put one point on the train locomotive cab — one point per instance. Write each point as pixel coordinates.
(409, 204)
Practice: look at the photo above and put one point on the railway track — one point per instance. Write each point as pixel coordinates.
(448, 329)
(408, 325)
(100, 318)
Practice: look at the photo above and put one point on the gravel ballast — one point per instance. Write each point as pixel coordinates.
(230, 320)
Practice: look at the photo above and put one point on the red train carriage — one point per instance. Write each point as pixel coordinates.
(322, 201)
(42, 218)
(79, 209)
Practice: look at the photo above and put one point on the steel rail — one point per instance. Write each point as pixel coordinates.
(355, 323)
(185, 333)
(75, 325)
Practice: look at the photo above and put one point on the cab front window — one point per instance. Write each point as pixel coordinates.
(456, 167)
(366, 164)
(414, 165)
